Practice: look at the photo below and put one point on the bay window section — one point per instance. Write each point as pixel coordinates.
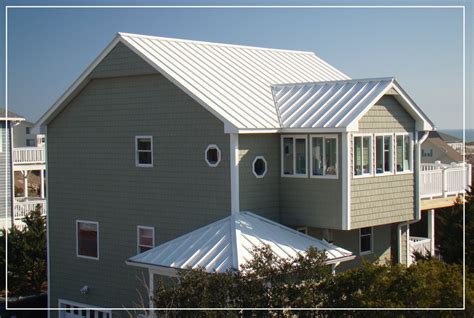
(383, 154)
(404, 153)
(294, 162)
(362, 159)
(324, 156)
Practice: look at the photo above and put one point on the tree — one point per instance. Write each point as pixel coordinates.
(27, 269)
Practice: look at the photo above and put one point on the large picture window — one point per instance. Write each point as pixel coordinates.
(324, 156)
(383, 154)
(362, 159)
(294, 162)
(404, 153)
(87, 240)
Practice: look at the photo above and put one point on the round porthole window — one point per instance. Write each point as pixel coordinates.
(212, 155)
(259, 167)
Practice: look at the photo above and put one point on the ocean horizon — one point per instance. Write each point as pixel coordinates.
(458, 133)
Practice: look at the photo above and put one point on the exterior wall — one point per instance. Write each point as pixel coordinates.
(5, 174)
(20, 136)
(315, 202)
(377, 200)
(260, 195)
(92, 176)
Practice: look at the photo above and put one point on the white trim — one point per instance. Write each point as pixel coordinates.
(234, 173)
(371, 155)
(219, 155)
(324, 175)
(77, 239)
(137, 163)
(411, 158)
(346, 181)
(48, 268)
(371, 241)
(392, 153)
(80, 306)
(253, 167)
(294, 175)
(138, 236)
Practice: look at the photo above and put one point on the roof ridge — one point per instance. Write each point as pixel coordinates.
(124, 34)
(369, 79)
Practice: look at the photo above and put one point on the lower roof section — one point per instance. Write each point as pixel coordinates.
(228, 243)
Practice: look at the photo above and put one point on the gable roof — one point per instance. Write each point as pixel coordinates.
(445, 137)
(338, 104)
(237, 83)
(10, 116)
(227, 244)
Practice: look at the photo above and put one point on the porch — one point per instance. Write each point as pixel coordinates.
(22, 206)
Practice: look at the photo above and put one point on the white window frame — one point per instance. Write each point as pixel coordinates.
(371, 241)
(282, 154)
(410, 137)
(219, 155)
(371, 155)
(137, 163)
(324, 176)
(138, 236)
(77, 240)
(78, 306)
(392, 159)
(253, 167)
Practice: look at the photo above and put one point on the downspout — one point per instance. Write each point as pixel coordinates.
(419, 141)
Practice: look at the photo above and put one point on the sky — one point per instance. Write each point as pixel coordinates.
(49, 48)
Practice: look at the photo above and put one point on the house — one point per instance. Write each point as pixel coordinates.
(435, 148)
(20, 162)
(23, 135)
(167, 144)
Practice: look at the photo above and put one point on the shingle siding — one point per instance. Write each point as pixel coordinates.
(380, 200)
(92, 176)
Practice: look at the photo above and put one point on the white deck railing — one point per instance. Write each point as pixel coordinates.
(23, 206)
(421, 245)
(28, 155)
(439, 180)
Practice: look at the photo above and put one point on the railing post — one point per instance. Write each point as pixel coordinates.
(445, 181)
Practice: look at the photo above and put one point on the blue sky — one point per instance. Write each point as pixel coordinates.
(422, 48)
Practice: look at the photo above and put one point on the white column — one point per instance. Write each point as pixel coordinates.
(234, 173)
(409, 256)
(151, 292)
(42, 183)
(25, 183)
(431, 230)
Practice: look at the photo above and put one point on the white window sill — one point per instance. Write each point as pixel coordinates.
(365, 253)
(404, 172)
(138, 165)
(330, 177)
(361, 176)
(294, 175)
(384, 174)
(88, 257)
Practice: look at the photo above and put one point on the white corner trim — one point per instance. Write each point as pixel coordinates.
(253, 167)
(234, 173)
(219, 155)
(346, 181)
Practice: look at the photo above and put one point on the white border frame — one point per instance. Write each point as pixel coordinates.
(77, 240)
(253, 167)
(371, 155)
(294, 175)
(86, 307)
(412, 153)
(219, 154)
(324, 136)
(392, 152)
(143, 165)
(371, 241)
(138, 236)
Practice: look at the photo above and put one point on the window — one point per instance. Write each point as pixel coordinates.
(87, 239)
(324, 156)
(28, 130)
(145, 238)
(294, 156)
(302, 229)
(362, 155)
(365, 240)
(405, 153)
(144, 151)
(427, 153)
(259, 167)
(71, 309)
(212, 155)
(30, 142)
(383, 154)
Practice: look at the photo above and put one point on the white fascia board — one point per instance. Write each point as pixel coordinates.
(291, 131)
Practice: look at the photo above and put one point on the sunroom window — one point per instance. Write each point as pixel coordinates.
(362, 155)
(404, 153)
(324, 156)
(294, 156)
(383, 157)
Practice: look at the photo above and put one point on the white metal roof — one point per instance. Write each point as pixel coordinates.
(227, 244)
(336, 104)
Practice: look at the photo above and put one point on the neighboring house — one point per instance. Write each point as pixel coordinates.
(160, 145)
(23, 135)
(435, 149)
(454, 142)
(17, 159)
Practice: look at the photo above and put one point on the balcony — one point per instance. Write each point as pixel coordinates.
(29, 156)
(439, 180)
(23, 206)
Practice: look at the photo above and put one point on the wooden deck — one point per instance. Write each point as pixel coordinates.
(428, 204)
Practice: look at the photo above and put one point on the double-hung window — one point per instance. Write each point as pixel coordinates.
(294, 162)
(324, 156)
(404, 153)
(365, 240)
(362, 159)
(144, 151)
(383, 154)
(87, 239)
(145, 238)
